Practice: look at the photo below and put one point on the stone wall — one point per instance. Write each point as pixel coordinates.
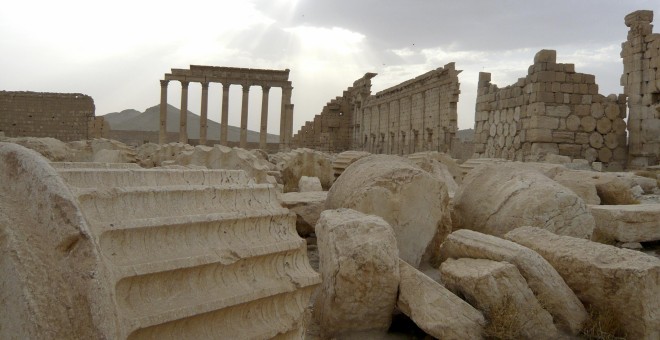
(417, 115)
(332, 129)
(553, 110)
(65, 116)
(641, 83)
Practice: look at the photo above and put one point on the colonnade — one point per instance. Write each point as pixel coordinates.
(227, 77)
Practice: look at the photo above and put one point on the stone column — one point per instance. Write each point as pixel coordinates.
(263, 132)
(286, 118)
(183, 118)
(162, 135)
(224, 120)
(204, 113)
(244, 116)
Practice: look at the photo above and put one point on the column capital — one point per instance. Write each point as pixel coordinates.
(164, 83)
(184, 84)
(265, 88)
(205, 85)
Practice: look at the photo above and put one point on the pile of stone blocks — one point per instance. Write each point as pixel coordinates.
(553, 110)
(641, 83)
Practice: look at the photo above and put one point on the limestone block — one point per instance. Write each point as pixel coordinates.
(346, 158)
(435, 309)
(605, 155)
(588, 123)
(620, 283)
(573, 123)
(549, 288)
(544, 122)
(439, 171)
(306, 162)
(307, 184)
(544, 148)
(597, 110)
(585, 189)
(518, 197)
(614, 192)
(556, 159)
(359, 263)
(307, 206)
(498, 289)
(626, 223)
(396, 190)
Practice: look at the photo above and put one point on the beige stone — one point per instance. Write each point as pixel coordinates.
(307, 206)
(585, 189)
(174, 267)
(498, 289)
(549, 288)
(618, 283)
(626, 223)
(588, 123)
(396, 190)
(435, 309)
(306, 162)
(307, 184)
(359, 263)
(604, 125)
(497, 198)
(346, 158)
(596, 140)
(615, 191)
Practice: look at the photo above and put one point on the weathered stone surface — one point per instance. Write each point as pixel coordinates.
(626, 223)
(396, 190)
(307, 206)
(585, 189)
(498, 290)
(307, 184)
(306, 162)
(438, 170)
(615, 192)
(346, 158)
(185, 253)
(360, 268)
(621, 283)
(549, 288)
(216, 157)
(500, 197)
(435, 309)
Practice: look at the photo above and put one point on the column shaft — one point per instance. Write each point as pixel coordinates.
(286, 118)
(162, 135)
(263, 132)
(204, 113)
(183, 118)
(244, 116)
(224, 120)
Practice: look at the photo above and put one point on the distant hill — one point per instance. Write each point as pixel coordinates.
(466, 135)
(149, 120)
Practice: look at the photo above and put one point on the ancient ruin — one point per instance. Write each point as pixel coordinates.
(553, 110)
(416, 115)
(228, 76)
(542, 235)
(65, 116)
(641, 84)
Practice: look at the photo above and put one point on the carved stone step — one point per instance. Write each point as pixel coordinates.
(99, 178)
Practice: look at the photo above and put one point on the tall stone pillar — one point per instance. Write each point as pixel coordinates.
(263, 132)
(244, 116)
(204, 113)
(183, 118)
(162, 135)
(286, 118)
(224, 120)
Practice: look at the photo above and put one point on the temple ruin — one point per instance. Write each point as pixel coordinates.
(553, 110)
(65, 116)
(417, 115)
(227, 76)
(641, 84)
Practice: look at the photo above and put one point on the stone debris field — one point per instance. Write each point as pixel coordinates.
(369, 223)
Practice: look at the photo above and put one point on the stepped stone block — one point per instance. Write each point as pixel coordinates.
(180, 253)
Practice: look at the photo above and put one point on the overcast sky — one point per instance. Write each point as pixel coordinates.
(116, 51)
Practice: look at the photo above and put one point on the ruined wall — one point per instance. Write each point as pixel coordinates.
(332, 129)
(553, 110)
(641, 83)
(417, 115)
(65, 116)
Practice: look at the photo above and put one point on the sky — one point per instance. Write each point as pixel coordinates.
(117, 51)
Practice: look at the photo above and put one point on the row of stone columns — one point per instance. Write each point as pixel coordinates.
(286, 119)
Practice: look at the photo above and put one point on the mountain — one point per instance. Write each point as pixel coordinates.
(149, 120)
